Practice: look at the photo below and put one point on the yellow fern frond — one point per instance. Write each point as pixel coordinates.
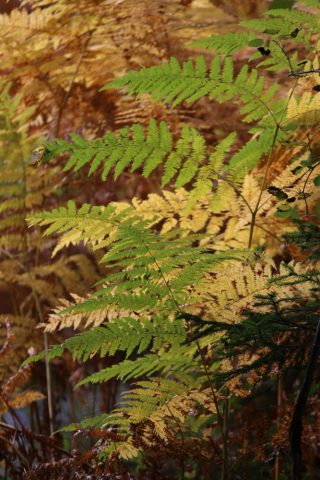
(229, 293)
(59, 321)
(23, 399)
(304, 111)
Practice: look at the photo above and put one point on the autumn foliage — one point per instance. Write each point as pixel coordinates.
(159, 239)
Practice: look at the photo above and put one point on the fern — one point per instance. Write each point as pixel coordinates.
(188, 162)
(295, 24)
(296, 305)
(133, 148)
(172, 83)
(13, 165)
(127, 334)
(147, 262)
(168, 363)
(304, 111)
(60, 319)
(228, 43)
(175, 309)
(87, 224)
(144, 400)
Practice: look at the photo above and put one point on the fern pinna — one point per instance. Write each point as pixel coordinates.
(193, 306)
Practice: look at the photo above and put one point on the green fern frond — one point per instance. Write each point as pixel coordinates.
(143, 263)
(228, 43)
(146, 400)
(248, 156)
(148, 395)
(295, 24)
(278, 59)
(207, 174)
(89, 224)
(149, 400)
(162, 402)
(163, 260)
(175, 360)
(126, 334)
(53, 352)
(132, 147)
(172, 83)
(187, 161)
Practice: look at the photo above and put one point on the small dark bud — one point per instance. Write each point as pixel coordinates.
(264, 51)
(278, 193)
(294, 33)
(297, 170)
(273, 190)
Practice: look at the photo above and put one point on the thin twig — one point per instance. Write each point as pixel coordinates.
(68, 92)
(305, 72)
(75, 74)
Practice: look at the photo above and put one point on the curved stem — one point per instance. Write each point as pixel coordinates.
(265, 176)
(255, 211)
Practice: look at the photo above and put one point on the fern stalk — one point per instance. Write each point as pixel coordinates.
(266, 170)
(74, 76)
(256, 209)
(277, 468)
(295, 431)
(182, 439)
(225, 466)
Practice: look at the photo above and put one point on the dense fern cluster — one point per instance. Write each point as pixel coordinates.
(200, 297)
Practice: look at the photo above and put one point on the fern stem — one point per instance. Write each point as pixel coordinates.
(75, 74)
(182, 439)
(285, 54)
(68, 92)
(266, 170)
(49, 382)
(295, 431)
(279, 404)
(47, 365)
(225, 466)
